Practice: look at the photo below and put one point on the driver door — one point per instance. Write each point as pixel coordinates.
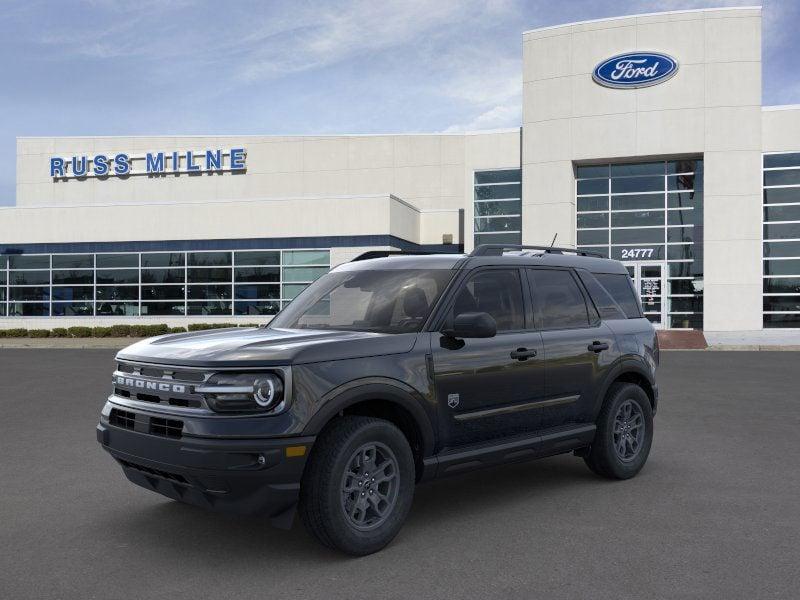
(482, 391)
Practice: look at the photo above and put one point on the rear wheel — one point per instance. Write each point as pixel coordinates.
(624, 433)
(357, 489)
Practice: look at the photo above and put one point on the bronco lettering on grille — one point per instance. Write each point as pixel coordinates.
(143, 384)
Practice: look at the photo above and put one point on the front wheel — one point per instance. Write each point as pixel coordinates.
(357, 489)
(624, 433)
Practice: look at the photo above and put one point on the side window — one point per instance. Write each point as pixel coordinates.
(560, 303)
(621, 289)
(494, 291)
(608, 307)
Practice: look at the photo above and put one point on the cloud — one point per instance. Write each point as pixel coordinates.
(497, 117)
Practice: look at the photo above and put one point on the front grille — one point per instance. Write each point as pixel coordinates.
(159, 385)
(157, 472)
(122, 418)
(172, 428)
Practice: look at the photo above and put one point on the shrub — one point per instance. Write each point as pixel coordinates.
(204, 326)
(120, 330)
(59, 332)
(80, 332)
(148, 330)
(101, 332)
(16, 332)
(177, 329)
(38, 333)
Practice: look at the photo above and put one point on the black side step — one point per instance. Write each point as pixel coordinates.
(541, 444)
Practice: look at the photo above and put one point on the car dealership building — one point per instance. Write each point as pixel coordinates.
(643, 138)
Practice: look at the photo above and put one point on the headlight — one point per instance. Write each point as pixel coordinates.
(242, 392)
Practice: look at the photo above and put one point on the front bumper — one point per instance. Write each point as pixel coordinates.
(243, 476)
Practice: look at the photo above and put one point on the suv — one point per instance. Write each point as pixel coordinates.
(386, 372)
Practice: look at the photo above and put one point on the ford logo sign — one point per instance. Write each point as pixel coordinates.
(635, 70)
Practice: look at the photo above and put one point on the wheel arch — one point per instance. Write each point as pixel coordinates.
(628, 371)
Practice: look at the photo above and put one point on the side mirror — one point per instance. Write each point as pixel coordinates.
(472, 325)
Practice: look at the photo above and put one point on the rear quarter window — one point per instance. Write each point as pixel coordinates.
(620, 288)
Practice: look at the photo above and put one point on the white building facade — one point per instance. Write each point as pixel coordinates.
(664, 158)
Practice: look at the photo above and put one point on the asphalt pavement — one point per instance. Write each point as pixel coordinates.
(714, 514)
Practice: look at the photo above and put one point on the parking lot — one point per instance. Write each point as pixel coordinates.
(714, 514)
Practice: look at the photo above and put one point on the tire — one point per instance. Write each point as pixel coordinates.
(331, 505)
(611, 454)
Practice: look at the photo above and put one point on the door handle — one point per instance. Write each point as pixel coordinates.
(522, 353)
(598, 346)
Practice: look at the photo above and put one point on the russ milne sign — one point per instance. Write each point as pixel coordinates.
(635, 70)
(151, 163)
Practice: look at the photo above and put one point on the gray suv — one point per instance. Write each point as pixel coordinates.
(385, 372)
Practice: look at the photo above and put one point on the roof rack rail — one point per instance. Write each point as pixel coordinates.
(384, 253)
(498, 249)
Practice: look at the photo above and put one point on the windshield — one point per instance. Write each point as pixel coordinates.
(391, 301)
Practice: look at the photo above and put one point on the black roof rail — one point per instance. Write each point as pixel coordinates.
(384, 253)
(498, 249)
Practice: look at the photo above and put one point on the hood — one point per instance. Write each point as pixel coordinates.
(251, 346)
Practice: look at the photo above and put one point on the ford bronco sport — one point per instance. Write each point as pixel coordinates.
(386, 372)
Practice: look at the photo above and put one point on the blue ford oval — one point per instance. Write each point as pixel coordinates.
(635, 70)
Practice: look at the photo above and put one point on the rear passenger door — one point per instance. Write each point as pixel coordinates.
(579, 348)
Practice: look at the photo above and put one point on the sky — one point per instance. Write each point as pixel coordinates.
(161, 67)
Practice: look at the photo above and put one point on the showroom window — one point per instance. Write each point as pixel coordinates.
(129, 284)
(781, 240)
(649, 213)
(498, 207)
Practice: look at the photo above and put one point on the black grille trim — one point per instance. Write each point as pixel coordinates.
(156, 472)
(172, 428)
(122, 418)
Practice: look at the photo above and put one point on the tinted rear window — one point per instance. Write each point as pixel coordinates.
(608, 307)
(621, 290)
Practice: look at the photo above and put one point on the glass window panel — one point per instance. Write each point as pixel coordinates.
(209, 292)
(782, 267)
(291, 291)
(2, 294)
(593, 203)
(213, 275)
(637, 236)
(680, 252)
(637, 184)
(788, 177)
(591, 171)
(117, 309)
(685, 200)
(637, 219)
(558, 300)
(73, 309)
(28, 309)
(782, 231)
(27, 261)
(593, 220)
(680, 234)
(494, 192)
(484, 209)
(651, 168)
(684, 217)
(2, 310)
(500, 176)
(775, 321)
(640, 252)
(592, 237)
(73, 277)
(498, 238)
(782, 249)
(593, 186)
(163, 259)
(693, 304)
(686, 321)
(162, 292)
(269, 257)
(620, 287)
(299, 274)
(637, 202)
(782, 303)
(209, 308)
(163, 275)
(782, 195)
(683, 182)
(256, 308)
(496, 292)
(257, 274)
(73, 261)
(2, 277)
(498, 224)
(117, 261)
(782, 213)
(3, 261)
(29, 277)
(124, 292)
(684, 166)
(84, 292)
(306, 257)
(782, 285)
(602, 250)
(257, 292)
(29, 293)
(685, 286)
(209, 259)
(162, 308)
(682, 269)
(117, 276)
(782, 160)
